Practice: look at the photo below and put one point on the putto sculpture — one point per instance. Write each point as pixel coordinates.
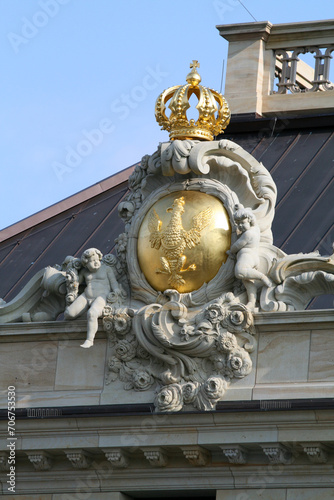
(246, 249)
(195, 263)
(100, 285)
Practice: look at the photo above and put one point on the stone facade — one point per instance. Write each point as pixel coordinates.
(216, 388)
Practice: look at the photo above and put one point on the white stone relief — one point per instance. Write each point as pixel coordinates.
(317, 453)
(79, 459)
(278, 454)
(40, 460)
(235, 454)
(101, 287)
(4, 465)
(117, 457)
(179, 354)
(156, 457)
(246, 251)
(187, 348)
(196, 456)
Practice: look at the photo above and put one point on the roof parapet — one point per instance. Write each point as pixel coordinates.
(260, 52)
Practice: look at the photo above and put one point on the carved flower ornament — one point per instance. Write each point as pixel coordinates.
(142, 380)
(215, 313)
(239, 363)
(169, 398)
(215, 387)
(116, 321)
(114, 364)
(226, 342)
(190, 391)
(219, 362)
(125, 350)
(239, 319)
(139, 172)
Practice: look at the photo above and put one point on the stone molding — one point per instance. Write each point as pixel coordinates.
(4, 465)
(156, 456)
(117, 457)
(41, 460)
(317, 453)
(235, 454)
(278, 454)
(79, 458)
(196, 455)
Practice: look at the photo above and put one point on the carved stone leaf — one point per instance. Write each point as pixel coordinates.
(125, 373)
(128, 386)
(160, 335)
(111, 377)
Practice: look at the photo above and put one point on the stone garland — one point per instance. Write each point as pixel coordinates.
(218, 328)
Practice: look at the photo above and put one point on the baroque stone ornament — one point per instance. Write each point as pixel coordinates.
(278, 454)
(317, 453)
(40, 460)
(194, 263)
(78, 458)
(196, 455)
(117, 457)
(235, 454)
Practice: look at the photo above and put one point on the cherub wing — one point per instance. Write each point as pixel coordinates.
(154, 225)
(200, 221)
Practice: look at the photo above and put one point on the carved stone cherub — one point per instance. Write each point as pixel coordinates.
(100, 281)
(246, 249)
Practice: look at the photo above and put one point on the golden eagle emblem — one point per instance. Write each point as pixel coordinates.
(174, 239)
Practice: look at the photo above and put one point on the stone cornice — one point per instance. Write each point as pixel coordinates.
(294, 320)
(245, 31)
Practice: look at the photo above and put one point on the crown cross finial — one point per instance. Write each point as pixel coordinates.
(195, 64)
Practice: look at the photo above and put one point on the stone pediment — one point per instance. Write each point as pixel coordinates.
(192, 270)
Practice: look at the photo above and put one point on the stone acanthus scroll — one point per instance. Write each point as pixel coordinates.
(178, 326)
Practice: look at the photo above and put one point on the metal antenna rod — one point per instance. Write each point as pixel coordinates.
(247, 10)
(221, 83)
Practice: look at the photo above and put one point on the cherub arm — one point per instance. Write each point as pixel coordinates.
(112, 280)
(241, 242)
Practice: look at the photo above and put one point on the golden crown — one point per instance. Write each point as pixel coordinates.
(210, 102)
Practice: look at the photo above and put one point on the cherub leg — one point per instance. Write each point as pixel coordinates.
(257, 275)
(251, 293)
(94, 313)
(79, 306)
(244, 272)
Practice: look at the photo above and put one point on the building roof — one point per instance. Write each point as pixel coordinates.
(86, 219)
(298, 152)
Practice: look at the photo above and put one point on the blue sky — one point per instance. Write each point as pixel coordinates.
(88, 72)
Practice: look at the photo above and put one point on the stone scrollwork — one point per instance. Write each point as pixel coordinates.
(174, 157)
(296, 279)
(174, 354)
(191, 346)
(212, 342)
(188, 339)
